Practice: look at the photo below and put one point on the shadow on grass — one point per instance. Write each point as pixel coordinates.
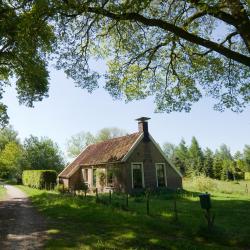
(82, 223)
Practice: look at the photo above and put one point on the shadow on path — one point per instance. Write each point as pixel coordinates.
(21, 226)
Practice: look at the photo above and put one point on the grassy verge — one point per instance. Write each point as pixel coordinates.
(81, 223)
(2, 192)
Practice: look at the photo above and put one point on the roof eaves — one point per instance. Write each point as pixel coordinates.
(72, 163)
(170, 163)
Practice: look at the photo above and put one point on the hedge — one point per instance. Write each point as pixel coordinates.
(39, 178)
(247, 175)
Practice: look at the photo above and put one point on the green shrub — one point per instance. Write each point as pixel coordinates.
(39, 178)
(247, 175)
(61, 189)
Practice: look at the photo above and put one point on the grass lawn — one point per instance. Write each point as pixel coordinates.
(81, 223)
(2, 192)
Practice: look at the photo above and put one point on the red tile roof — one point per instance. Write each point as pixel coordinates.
(112, 150)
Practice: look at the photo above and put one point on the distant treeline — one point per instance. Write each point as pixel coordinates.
(219, 164)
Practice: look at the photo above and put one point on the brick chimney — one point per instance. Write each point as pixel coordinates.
(143, 125)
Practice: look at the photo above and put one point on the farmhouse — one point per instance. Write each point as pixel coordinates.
(128, 163)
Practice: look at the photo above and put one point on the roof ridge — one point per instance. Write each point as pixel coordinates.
(115, 138)
(112, 149)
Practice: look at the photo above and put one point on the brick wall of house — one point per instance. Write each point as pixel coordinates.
(76, 179)
(149, 154)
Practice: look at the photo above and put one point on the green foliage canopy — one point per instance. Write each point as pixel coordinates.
(25, 40)
(81, 140)
(42, 154)
(166, 49)
(171, 50)
(194, 161)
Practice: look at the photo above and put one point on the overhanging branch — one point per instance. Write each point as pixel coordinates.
(179, 32)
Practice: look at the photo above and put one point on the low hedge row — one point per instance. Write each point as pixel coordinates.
(39, 178)
(247, 175)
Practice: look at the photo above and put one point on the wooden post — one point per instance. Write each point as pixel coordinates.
(127, 200)
(246, 188)
(147, 202)
(110, 196)
(96, 192)
(210, 218)
(175, 211)
(45, 185)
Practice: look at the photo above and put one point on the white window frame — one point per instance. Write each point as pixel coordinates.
(92, 179)
(107, 184)
(165, 174)
(84, 174)
(142, 173)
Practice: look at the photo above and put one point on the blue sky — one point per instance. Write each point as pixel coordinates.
(69, 110)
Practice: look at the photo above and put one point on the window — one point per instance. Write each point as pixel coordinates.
(94, 177)
(160, 174)
(137, 175)
(110, 177)
(85, 175)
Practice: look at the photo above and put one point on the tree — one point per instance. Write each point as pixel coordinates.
(196, 157)
(109, 133)
(246, 156)
(42, 153)
(78, 142)
(11, 153)
(240, 165)
(228, 170)
(208, 162)
(217, 165)
(26, 38)
(11, 161)
(166, 49)
(81, 140)
(169, 149)
(8, 134)
(181, 157)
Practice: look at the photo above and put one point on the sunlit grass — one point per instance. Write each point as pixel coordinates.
(2, 192)
(81, 223)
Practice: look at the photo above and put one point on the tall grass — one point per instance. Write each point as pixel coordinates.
(2, 192)
(205, 184)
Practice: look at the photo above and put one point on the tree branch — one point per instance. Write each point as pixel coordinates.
(173, 29)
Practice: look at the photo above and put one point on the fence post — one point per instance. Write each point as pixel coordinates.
(175, 211)
(110, 196)
(147, 202)
(96, 192)
(127, 200)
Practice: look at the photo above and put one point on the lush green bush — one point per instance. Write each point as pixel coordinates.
(247, 175)
(39, 178)
(61, 188)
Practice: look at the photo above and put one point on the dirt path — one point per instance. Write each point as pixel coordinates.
(21, 226)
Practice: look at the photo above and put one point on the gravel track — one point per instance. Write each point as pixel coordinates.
(21, 226)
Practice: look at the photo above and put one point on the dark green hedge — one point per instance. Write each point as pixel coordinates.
(247, 175)
(39, 178)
